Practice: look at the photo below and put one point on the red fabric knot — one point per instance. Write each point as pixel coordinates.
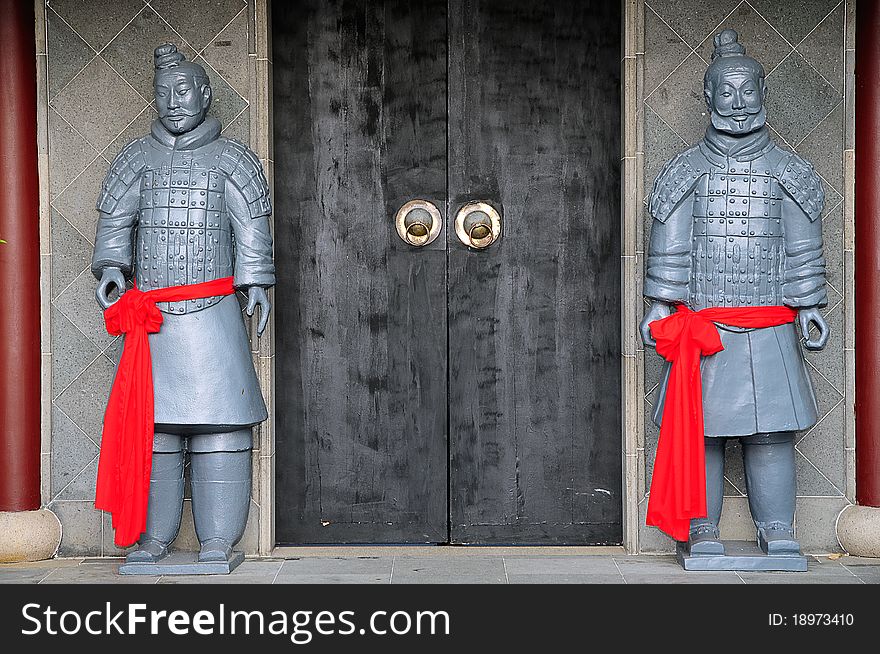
(133, 309)
(678, 485)
(123, 483)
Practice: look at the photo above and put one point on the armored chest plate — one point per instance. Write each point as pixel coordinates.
(738, 253)
(184, 233)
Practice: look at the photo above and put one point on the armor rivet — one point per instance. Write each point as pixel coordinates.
(732, 200)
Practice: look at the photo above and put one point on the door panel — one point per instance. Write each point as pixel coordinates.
(534, 319)
(360, 128)
(401, 370)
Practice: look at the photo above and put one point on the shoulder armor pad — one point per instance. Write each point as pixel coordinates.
(246, 173)
(803, 184)
(124, 171)
(675, 181)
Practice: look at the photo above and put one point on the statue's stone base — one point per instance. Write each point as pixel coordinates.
(740, 555)
(182, 563)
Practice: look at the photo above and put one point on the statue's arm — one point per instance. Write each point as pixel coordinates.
(668, 271)
(668, 267)
(117, 212)
(803, 285)
(113, 242)
(254, 266)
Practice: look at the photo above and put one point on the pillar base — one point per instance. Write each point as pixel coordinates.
(858, 530)
(28, 535)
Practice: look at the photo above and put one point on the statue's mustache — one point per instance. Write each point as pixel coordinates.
(747, 111)
(178, 113)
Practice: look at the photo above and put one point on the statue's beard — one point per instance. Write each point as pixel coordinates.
(180, 121)
(727, 124)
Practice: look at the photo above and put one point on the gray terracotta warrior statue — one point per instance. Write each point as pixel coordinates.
(736, 224)
(183, 206)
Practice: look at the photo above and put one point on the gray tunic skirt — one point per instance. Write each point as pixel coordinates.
(203, 372)
(757, 384)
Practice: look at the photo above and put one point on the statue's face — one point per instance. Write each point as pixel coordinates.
(182, 102)
(736, 102)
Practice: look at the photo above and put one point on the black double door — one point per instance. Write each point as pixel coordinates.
(445, 393)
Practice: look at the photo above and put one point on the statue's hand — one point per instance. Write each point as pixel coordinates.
(257, 296)
(812, 315)
(657, 311)
(111, 277)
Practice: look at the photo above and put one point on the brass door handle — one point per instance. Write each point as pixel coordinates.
(478, 225)
(418, 222)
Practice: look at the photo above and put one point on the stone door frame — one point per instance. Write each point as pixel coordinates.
(632, 157)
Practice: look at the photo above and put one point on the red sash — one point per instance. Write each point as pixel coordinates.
(123, 484)
(678, 486)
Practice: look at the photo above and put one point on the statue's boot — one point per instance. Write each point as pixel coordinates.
(163, 509)
(769, 461)
(703, 537)
(778, 538)
(221, 493)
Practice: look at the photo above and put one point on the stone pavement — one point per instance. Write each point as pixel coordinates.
(425, 564)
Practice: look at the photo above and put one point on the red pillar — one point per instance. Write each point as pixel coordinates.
(19, 262)
(867, 253)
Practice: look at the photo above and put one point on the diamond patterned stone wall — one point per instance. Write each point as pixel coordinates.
(802, 46)
(100, 65)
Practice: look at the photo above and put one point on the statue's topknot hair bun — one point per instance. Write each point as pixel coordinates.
(730, 55)
(167, 56)
(727, 45)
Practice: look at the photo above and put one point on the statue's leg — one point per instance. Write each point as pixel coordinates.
(221, 490)
(165, 502)
(769, 462)
(704, 537)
